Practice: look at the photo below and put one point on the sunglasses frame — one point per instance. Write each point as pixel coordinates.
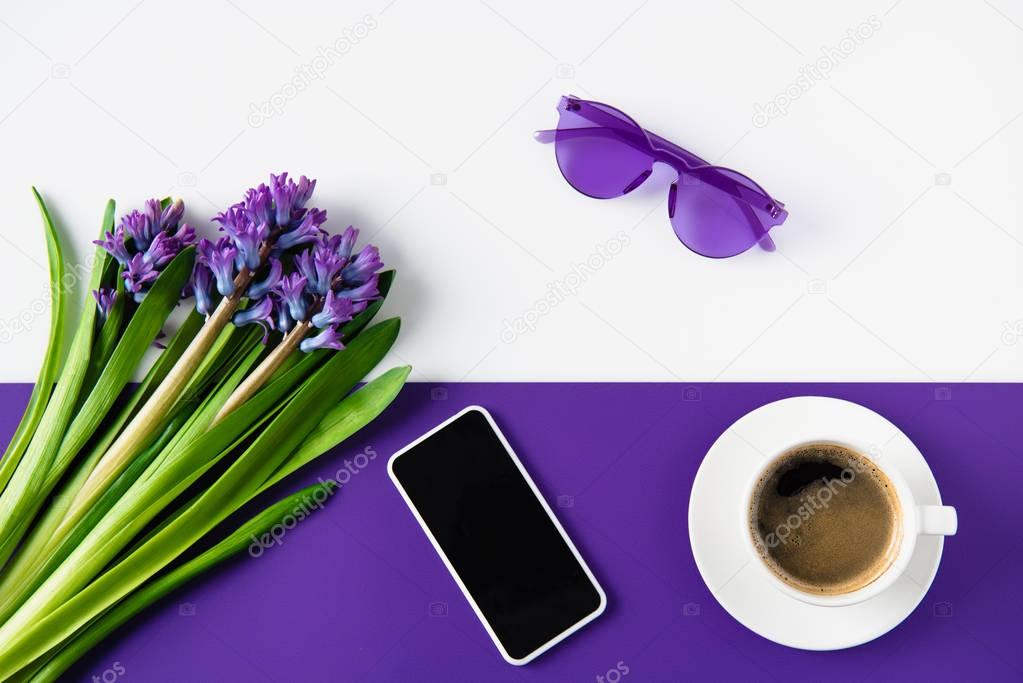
(763, 211)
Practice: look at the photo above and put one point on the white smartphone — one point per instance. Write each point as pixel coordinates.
(497, 536)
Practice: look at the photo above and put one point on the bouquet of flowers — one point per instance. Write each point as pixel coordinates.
(113, 494)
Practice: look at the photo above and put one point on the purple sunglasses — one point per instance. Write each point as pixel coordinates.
(603, 153)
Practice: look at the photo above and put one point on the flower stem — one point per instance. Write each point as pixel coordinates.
(258, 377)
(143, 425)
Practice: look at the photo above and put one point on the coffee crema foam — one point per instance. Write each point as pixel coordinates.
(825, 519)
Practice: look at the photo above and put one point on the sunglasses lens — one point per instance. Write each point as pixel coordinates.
(604, 158)
(710, 219)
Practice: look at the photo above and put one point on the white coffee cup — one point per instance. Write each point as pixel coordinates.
(915, 520)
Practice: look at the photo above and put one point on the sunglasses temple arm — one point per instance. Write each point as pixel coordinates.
(545, 136)
(764, 240)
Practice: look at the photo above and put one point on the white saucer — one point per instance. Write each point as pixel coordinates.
(715, 528)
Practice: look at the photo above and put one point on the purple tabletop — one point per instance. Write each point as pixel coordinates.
(356, 593)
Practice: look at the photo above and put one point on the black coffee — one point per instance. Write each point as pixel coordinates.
(825, 519)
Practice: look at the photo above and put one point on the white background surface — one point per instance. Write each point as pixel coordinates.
(901, 259)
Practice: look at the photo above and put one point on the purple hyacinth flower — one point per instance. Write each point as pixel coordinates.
(166, 245)
(219, 257)
(291, 290)
(115, 245)
(284, 320)
(169, 217)
(155, 239)
(258, 205)
(289, 197)
(367, 291)
(319, 265)
(336, 310)
(303, 192)
(105, 299)
(233, 214)
(140, 228)
(328, 339)
(307, 231)
(201, 282)
(152, 210)
(185, 235)
(161, 250)
(260, 289)
(346, 242)
(246, 234)
(160, 219)
(248, 240)
(260, 313)
(284, 196)
(317, 216)
(363, 265)
(138, 274)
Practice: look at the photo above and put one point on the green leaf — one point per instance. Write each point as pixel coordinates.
(301, 369)
(51, 361)
(191, 415)
(145, 324)
(158, 588)
(129, 516)
(164, 362)
(20, 499)
(144, 424)
(189, 420)
(64, 603)
(109, 333)
(221, 350)
(204, 400)
(343, 420)
(54, 553)
(151, 494)
(182, 338)
(349, 366)
(15, 581)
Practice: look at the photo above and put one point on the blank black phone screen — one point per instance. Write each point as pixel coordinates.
(500, 540)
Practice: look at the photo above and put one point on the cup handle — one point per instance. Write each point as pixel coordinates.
(938, 520)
